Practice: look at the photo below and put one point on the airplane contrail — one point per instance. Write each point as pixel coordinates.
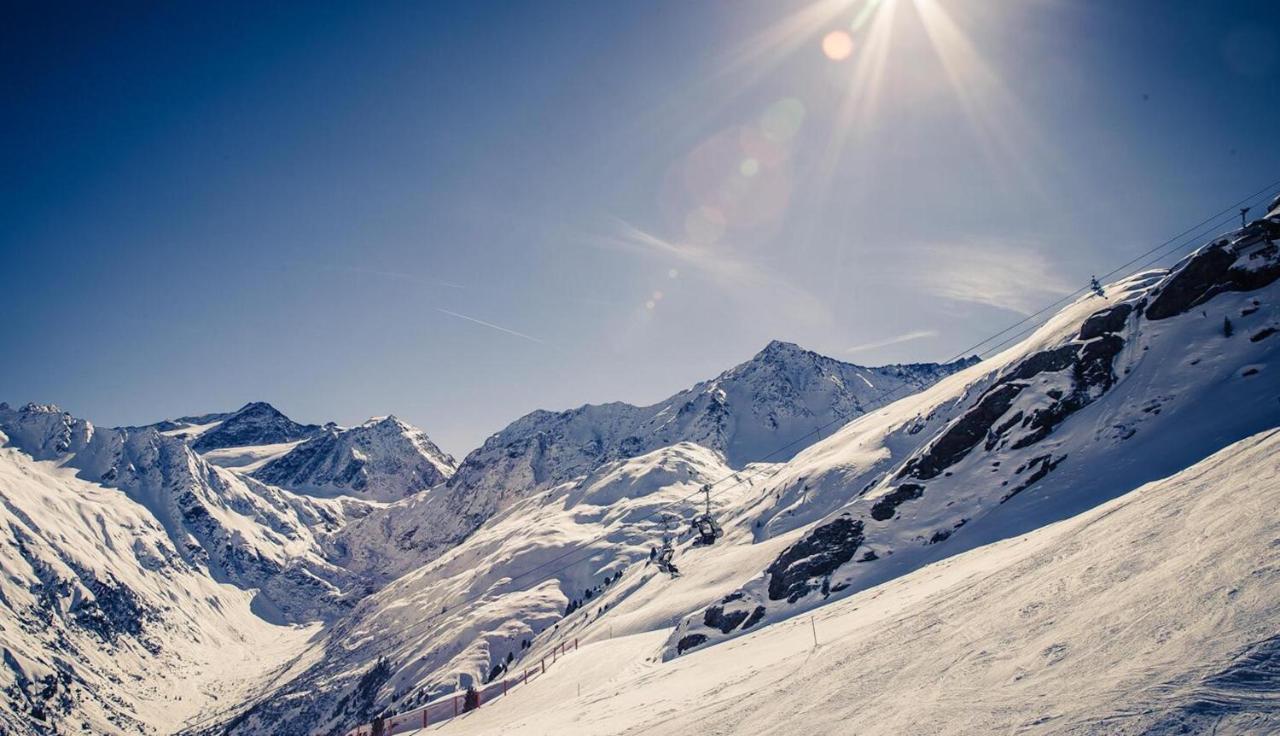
(491, 325)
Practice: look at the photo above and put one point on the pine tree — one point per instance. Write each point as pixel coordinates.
(1227, 329)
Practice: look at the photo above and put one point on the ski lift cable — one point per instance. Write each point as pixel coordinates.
(1194, 228)
(748, 475)
(1149, 262)
(743, 476)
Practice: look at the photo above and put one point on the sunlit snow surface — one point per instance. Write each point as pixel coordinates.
(1152, 613)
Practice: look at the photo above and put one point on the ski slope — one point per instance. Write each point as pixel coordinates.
(1153, 613)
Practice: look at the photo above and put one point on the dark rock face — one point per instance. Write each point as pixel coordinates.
(802, 566)
(689, 642)
(1209, 273)
(754, 618)
(1105, 322)
(1043, 465)
(1262, 334)
(964, 434)
(302, 460)
(888, 504)
(716, 618)
(1092, 376)
(1090, 363)
(258, 423)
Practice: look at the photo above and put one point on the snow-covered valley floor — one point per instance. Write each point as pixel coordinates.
(1153, 613)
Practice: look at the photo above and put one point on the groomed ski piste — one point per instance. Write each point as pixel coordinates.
(1153, 613)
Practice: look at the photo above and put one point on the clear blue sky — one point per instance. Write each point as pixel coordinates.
(460, 212)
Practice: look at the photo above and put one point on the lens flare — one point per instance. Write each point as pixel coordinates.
(837, 45)
(782, 120)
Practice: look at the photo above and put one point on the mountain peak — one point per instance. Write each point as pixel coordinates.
(383, 458)
(388, 421)
(258, 407)
(255, 423)
(780, 348)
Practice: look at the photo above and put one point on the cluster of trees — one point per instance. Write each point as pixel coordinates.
(590, 593)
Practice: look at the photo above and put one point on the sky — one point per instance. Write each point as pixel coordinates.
(458, 213)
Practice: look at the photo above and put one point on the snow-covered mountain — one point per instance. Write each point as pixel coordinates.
(236, 529)
(255, 423)
(383, 459)
(268, 511)
(111, 624)
(449, 623)
(767, 408)
(1111, 393)
(428, 578)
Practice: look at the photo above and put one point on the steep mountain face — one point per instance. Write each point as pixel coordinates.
(382, 460)
(257, 423)
(1111, 393)
(775, 400)
(236, 529)
(107, 626)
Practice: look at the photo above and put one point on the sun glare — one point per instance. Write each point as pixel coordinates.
(837, 45)
(861, 35)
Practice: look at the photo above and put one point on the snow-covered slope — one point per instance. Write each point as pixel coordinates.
(383, 459)
(1154, 613)
(453, 621)
(1111, 393)
(236, 529)
(107, 626)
